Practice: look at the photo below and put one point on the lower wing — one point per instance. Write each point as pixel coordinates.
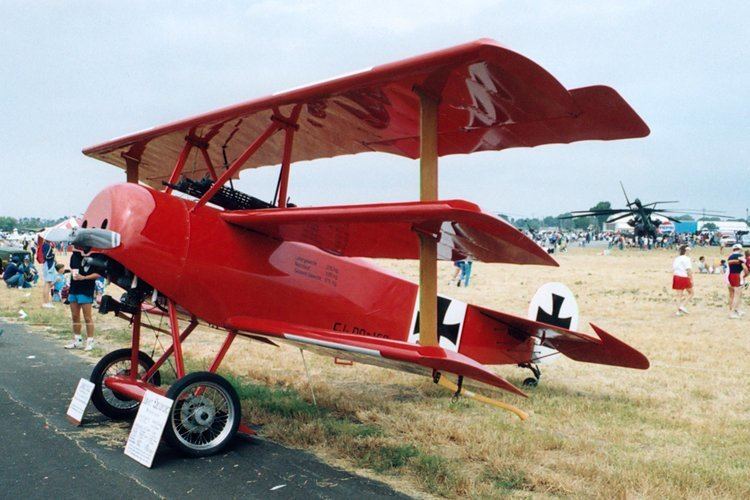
(394, 354)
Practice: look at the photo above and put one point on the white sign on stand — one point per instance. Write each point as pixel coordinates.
(148, 427)
(80, 401)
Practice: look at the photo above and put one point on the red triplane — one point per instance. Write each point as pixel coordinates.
(271, 271)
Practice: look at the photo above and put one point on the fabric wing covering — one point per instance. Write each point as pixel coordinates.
(604, 350)
(376, 351)
(491, 98)
(390, 230)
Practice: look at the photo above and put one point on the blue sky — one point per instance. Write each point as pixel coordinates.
(77, 73)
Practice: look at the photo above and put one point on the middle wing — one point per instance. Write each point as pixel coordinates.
(394, 354)
(390, 230)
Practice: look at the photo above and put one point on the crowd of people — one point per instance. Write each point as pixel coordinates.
(75, 287)
(555, 240)
(735, 270)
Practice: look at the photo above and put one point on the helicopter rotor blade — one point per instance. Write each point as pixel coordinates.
(657, 202)
(673, 219)
(626, 194)
(592, 213)
(619, 217)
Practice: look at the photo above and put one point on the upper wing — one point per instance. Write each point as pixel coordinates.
(491, 98)
(376, 351)
(390, 230)
(605, 350)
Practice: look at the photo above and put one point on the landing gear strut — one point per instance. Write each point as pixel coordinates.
(532, 381)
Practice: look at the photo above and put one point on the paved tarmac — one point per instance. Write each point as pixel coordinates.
(44, 456)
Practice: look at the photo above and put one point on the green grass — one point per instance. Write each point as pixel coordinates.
(507, 479)
(386, 458)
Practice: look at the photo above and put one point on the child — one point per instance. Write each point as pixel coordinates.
(99, 291)
(61, 280)
(702, 267)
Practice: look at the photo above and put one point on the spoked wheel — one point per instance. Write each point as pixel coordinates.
(205, 414)
(117, 362)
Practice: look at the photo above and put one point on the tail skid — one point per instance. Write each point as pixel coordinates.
(483, 399)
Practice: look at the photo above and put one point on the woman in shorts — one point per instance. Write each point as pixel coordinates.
(81, 297)
(682, 279)
(737, 267)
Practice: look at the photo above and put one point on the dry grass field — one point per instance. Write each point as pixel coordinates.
(680, 429)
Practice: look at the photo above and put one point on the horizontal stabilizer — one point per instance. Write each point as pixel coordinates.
(394, 354)
(604, 350)
(391, 230)
(607, 351)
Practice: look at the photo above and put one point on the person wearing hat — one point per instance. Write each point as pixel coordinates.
(737, 266)
(30, 274)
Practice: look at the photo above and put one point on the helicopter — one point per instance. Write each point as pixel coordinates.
(642, 222)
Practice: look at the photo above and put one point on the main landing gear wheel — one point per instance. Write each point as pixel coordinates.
(205, 414)
(532, 381)
(117, 362)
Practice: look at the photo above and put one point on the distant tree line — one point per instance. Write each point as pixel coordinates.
(27, 223)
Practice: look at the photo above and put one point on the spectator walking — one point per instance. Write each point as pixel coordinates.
(465, 273)
(737, 267)
(682, 279)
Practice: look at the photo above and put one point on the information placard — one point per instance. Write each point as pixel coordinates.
(148, 427)
(80, 401)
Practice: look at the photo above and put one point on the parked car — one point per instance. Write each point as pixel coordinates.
(6, 253)
(728, 239)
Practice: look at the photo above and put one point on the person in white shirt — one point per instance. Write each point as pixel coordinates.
(682, 279)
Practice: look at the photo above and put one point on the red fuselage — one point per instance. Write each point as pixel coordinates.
(216, 270)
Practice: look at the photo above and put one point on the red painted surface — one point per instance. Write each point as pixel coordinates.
(295, 274)
(132, 389)
(390, 230)
(239, 278)
(491, 98)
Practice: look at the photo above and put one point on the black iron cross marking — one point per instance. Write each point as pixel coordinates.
(554, 319)
(450, 332)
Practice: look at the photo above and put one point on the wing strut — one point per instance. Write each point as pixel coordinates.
(428, 191)
(291, 127)
(235, 166)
